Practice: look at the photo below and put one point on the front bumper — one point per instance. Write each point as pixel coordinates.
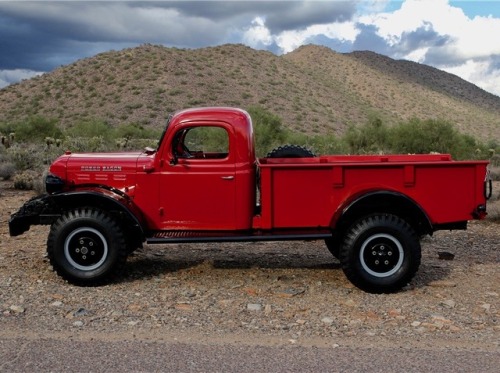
(29, 214)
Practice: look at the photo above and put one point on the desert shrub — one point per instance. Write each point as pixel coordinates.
(91, 129)
(134, 131)
(7, 170)
(25, 180)
(87, 144)
(26, 156)
(36, 129)
(39, 183)
(495, 160)
(427, 136)
(494, 173)
(269, 131)
(140, 144)
(373, 137)
(320, 145)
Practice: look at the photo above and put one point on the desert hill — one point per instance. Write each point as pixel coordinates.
(314, 89)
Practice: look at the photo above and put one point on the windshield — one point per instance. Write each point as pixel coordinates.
(164, 132)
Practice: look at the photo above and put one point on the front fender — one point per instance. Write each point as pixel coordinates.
(47, 208)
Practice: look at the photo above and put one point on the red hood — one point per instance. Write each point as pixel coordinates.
(117, 170)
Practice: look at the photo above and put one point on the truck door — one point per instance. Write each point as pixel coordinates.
(197, 186)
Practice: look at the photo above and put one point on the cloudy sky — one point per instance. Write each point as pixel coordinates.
(461, 37)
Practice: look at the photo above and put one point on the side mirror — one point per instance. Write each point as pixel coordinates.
(174, 160)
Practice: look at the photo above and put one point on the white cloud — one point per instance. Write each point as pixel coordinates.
(468, 37)
(290, 40)
(478, 72)
(8, 77)
(454, 42)
(258, 34)
(427, 31)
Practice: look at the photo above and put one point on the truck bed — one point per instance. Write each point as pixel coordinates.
(310, 192)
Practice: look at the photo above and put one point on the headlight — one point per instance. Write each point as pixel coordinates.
(53, 184)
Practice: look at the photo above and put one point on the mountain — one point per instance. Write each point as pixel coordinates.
(313, 89)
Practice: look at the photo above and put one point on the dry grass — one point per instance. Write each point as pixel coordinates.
(314, 89)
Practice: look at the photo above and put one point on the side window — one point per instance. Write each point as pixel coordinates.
(203, 142)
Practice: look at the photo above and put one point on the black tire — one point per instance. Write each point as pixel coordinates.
(290, 151)
(87, 247)
(333, 246)
(380, 253)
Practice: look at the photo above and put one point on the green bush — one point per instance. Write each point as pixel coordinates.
(269, 131)
(427, 136)
(37, 129)
(91, 129)
(370, 138)
(134, 131)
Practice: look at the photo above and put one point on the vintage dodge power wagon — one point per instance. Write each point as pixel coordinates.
(203, 183)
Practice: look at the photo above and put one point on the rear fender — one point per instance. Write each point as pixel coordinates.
(382, 201)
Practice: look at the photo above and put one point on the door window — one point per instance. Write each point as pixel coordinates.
(203, 142)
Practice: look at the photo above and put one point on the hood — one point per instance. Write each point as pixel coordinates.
(116, 170)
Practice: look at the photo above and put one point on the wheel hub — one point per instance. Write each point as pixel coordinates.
(381, 255)
(85, 249)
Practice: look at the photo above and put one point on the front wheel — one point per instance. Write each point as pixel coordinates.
(86, 247)
(380, 253)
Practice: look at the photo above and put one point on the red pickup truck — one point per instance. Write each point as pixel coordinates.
(204, 183)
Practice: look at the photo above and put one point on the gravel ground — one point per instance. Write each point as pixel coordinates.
(291, 293)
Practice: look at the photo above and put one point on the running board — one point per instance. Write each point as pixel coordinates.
(235, 236)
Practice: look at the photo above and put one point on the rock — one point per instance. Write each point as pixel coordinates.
(416, 324)
(327, 320)
(440, 319)
(453, 328)
(445, 255)
(486, 307)
(394, 312)
(80, 312)
(183, 307)
(254, 307)
(57, 303)
(449, 303)
(134, 307)
(442, 284)
(78, 323)
(350, 303)
(289, 293)
(17, 309)
(250, 291)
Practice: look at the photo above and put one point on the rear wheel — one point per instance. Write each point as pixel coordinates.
(380, 253)
(333, 245)
(86, 247)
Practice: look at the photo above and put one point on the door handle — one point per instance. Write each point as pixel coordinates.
(227, 177)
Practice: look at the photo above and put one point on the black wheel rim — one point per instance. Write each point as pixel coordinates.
(86, 249)
(381, 255)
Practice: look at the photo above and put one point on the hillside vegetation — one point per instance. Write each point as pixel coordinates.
(314, 90)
